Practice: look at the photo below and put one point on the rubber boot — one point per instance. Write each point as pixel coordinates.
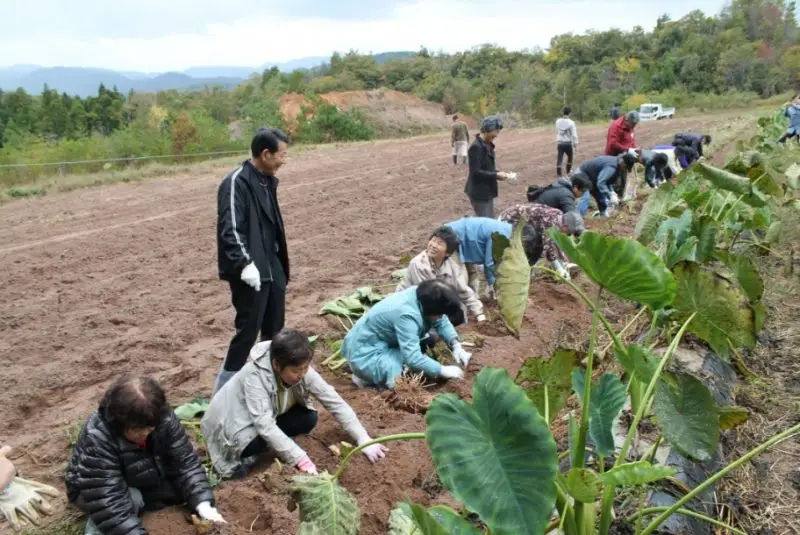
(455, 160)
(222, 377)
(558, 171)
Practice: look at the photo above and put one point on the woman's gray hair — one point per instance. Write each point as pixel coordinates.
(632, 117)
(491, 122)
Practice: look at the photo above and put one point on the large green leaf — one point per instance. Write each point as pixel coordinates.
(538, 375)
(688, 417)
(734, 183)
(762, 217)
(194, 409)
(513, 282)
(638, 360)
(496, 455)
(722, 310)
(310, 528)
(499, 244)
(773, 235)
(452, 523)
(685, 252)
(793, 176)
(583, 485)
(425, 523)
(654, 212)
(327, 504)
(746, 274)
(680, 227)
(706, 230)
(637, 473)
(401, 521)
(624, 267)
(607, 401)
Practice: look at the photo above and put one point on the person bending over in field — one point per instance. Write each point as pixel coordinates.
(792, 111)
(436, 262)
(608, 175)
(133, 455)
(22, 501)
(543, 218)
(268, 403)
(475, 247)
(386, 340)
(656, 167)
(561, 194)
(695, 141)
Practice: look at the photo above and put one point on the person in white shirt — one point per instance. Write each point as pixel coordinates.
(566, 140)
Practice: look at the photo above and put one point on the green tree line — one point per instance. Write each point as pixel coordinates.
(750, 50)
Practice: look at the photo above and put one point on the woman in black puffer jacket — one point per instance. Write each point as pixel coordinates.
(133, 455)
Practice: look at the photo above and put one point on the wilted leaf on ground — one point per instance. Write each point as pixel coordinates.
(623, 267)
(773, 235)
(722, 310)
(489, 451)
(732, 417)
(607, 401)
(513, 282)
(327, 504)
(793, 176)
(636, 473)
(537, 373)
(688, 417)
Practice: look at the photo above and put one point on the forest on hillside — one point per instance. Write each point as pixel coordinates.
(750, 50)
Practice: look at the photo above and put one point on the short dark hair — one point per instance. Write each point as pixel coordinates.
(134, 402)
(566, 111)
(455, 116)
(581, 181)
(448, 236)
(629, 160)
(532, 243)
(438, 298)
(660, 160)
(268, 139)
(290, 347)
(706, 139)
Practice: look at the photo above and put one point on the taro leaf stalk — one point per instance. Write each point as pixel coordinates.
(513, 279)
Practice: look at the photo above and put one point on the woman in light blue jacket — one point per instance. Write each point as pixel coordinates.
(387, 338)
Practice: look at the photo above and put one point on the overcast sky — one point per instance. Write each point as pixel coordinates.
(161, 35)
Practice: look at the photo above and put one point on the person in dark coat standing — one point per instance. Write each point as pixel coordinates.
(251, 248)
(481, 185)
(133, 455)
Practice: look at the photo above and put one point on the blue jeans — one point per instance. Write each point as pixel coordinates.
(583, 204)
(603, 194)
(138, 506)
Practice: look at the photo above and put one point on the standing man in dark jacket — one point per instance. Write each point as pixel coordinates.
(481, 185)
(251, 248)
(562, 193)
(133, 455)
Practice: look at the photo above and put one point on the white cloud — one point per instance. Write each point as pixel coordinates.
(256, 38)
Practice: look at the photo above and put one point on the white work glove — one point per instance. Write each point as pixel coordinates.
(251, 276)
(490, 293)
(511, 178)
(481, 318)
(614, 198)
(461, 356)
(22, 501)
(206, 512)
(306, 465)
(559, 267)
(375, 452)
(452, 372)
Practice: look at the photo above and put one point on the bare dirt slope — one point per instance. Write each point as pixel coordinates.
(119, 279)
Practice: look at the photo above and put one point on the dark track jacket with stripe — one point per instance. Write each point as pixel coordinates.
(250, 226)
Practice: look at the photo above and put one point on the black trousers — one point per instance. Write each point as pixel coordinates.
(298, 420)
(564, 148)
(262, 311)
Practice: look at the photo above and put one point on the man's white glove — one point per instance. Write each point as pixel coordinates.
(452, 372)
(511, 178)
(23, 500)
(251, 276)
(206, 512)
(559, 267)
(461, 356)
(614, 198)
(481, 318)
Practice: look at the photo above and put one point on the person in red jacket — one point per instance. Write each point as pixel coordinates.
(620, 134)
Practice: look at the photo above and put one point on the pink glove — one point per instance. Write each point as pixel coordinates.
(305, 465)
(375, 453)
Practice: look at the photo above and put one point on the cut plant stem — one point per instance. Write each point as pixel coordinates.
(379, 440)
(686, 512)
(719, 475)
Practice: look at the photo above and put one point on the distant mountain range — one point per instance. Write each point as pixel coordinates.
(84, 81)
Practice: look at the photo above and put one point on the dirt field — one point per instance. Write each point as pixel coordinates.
(119, 279)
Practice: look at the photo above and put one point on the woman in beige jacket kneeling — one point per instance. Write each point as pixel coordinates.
(268, 402)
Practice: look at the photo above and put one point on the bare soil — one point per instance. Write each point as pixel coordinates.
(111, 280)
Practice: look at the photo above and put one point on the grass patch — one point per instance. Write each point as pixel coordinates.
(18, 193)
(72, 523)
